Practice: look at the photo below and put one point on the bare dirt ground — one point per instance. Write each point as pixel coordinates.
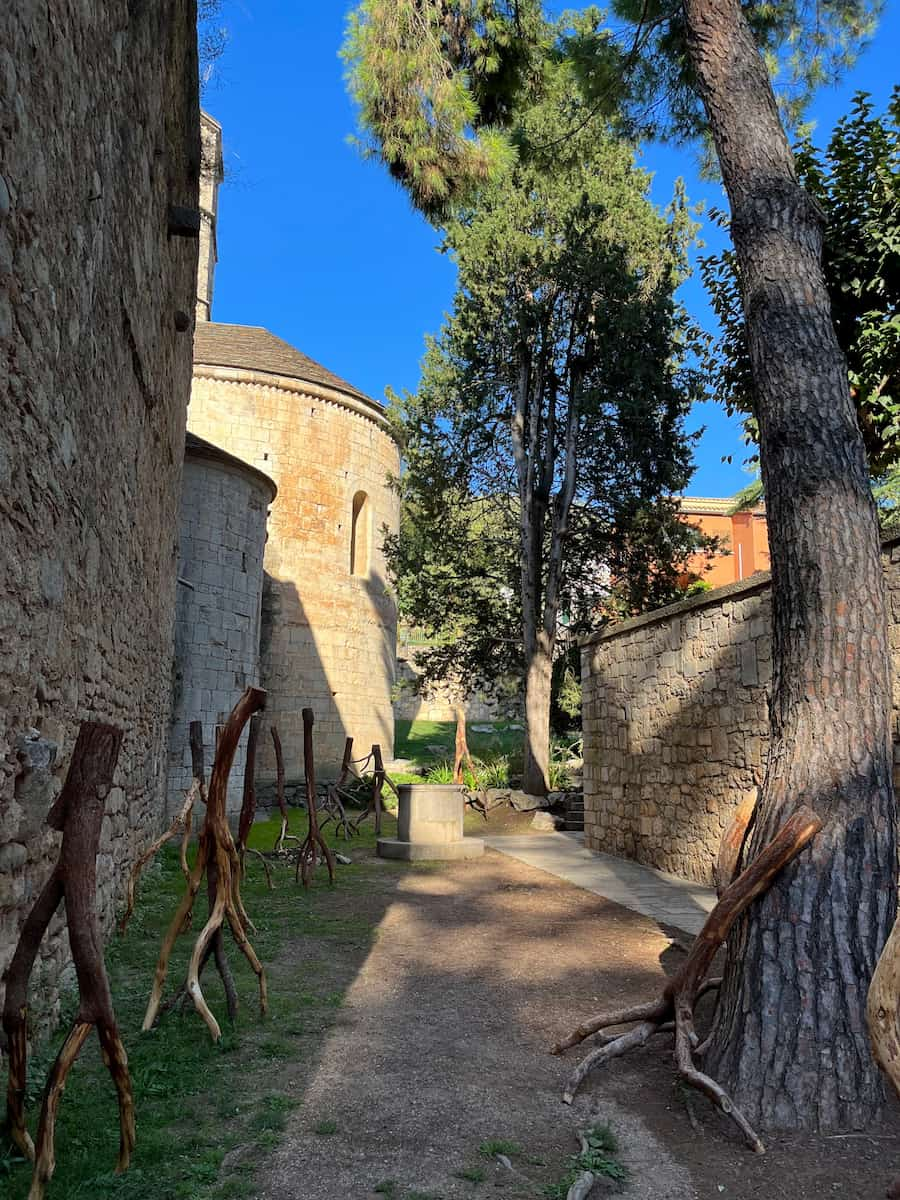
(441, 1045)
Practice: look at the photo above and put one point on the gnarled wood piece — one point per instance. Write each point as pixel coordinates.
(218, 856)
(313, 842)
(461, 756)
(78, 814)
(733, 842)
(680, 995)
(279, 789)
(248, 802)
(180, 825)
(333, 806)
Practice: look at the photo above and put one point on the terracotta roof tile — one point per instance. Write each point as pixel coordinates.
(252, 348)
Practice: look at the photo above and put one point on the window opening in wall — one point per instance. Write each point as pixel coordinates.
(359, 535)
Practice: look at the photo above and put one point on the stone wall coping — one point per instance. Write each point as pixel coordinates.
(741, 587)
(302, 387)
(197, 448)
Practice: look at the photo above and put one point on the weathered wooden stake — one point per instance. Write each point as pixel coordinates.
(308, 852)
(78, 814)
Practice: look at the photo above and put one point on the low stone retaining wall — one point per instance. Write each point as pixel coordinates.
(675, 713)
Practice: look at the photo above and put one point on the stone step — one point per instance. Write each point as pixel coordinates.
(573, 824)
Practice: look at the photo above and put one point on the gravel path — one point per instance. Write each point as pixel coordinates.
(441, 1043)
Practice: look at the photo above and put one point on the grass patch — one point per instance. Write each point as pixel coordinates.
(326, 1128)
(198, 1102)
(494, 1146)
(428, 742)
(472, 1174)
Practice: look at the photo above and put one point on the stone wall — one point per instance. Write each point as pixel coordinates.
(675, 714)
(329, 634)
(435, 702)
(224, 508)
(98, 138)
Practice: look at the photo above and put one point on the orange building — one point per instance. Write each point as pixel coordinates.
(743, 538)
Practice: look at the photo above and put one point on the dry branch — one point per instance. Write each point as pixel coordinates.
(461, 754)
(217, 855)
(307, 855)
(248, 801)
(78, 814)
(376, 800)
(681, 993)
(279, 790)
(733, 842)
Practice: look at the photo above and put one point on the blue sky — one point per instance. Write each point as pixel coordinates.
(324, 250)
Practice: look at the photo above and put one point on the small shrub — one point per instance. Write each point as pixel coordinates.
(472, 1174)
(495, 773)
(325, 1128)
(441, 772)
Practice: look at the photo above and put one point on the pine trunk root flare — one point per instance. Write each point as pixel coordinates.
(78, 814)
(673, 1011)
(217, 856)
(308, 854)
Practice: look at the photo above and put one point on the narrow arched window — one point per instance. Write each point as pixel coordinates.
(359, 535)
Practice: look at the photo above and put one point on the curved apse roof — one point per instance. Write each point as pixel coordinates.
(252, 348)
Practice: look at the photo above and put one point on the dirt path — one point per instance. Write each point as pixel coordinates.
(441, 1045)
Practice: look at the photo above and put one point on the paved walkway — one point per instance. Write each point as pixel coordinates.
(664, 898)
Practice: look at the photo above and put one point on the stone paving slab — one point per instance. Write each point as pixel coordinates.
(664, 898)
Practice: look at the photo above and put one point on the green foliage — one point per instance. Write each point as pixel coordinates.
(566, 281)
(856, 180)
(432, 81)
(600, 1157)
(440, 85)
(441, 772)
(472, 1174)
(494, 1146)
(326, 1128)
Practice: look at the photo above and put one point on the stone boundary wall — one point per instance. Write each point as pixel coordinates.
(99, 139)
(675, 712)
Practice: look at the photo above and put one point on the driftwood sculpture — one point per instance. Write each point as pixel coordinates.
(461, 756)
(181, 825)
(308, 854)
(216, 948)
(78, 813)
(217, 856)
(248, 802)
(333, 806)
(733, 842)
(283, 835)
(673, 1011)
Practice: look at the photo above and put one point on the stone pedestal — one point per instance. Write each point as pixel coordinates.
(430, 825)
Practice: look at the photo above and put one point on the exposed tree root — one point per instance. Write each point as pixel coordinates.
(308, 854)
(217, 855)
(78, 813)
(180, 825)
(681, 993)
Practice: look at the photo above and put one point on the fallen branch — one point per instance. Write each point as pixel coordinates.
(217, 855)
(180, 825)
(307, 856)
(682, 991)
(78, 814)
(733, 842)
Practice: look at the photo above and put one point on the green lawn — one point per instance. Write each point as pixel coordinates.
(415, 740)
(197, 1102)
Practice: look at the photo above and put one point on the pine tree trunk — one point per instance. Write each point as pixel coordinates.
(790, 1043)
(537, 721)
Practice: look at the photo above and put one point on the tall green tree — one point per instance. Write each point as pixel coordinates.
(790, 1043)
(547, 434)
(855, 180)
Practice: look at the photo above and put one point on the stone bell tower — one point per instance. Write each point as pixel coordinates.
(211, 175)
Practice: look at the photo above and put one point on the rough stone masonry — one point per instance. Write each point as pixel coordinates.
(99, 150)
(675, 707)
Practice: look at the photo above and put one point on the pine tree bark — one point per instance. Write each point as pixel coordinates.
(535, 777)
(790, 1043)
